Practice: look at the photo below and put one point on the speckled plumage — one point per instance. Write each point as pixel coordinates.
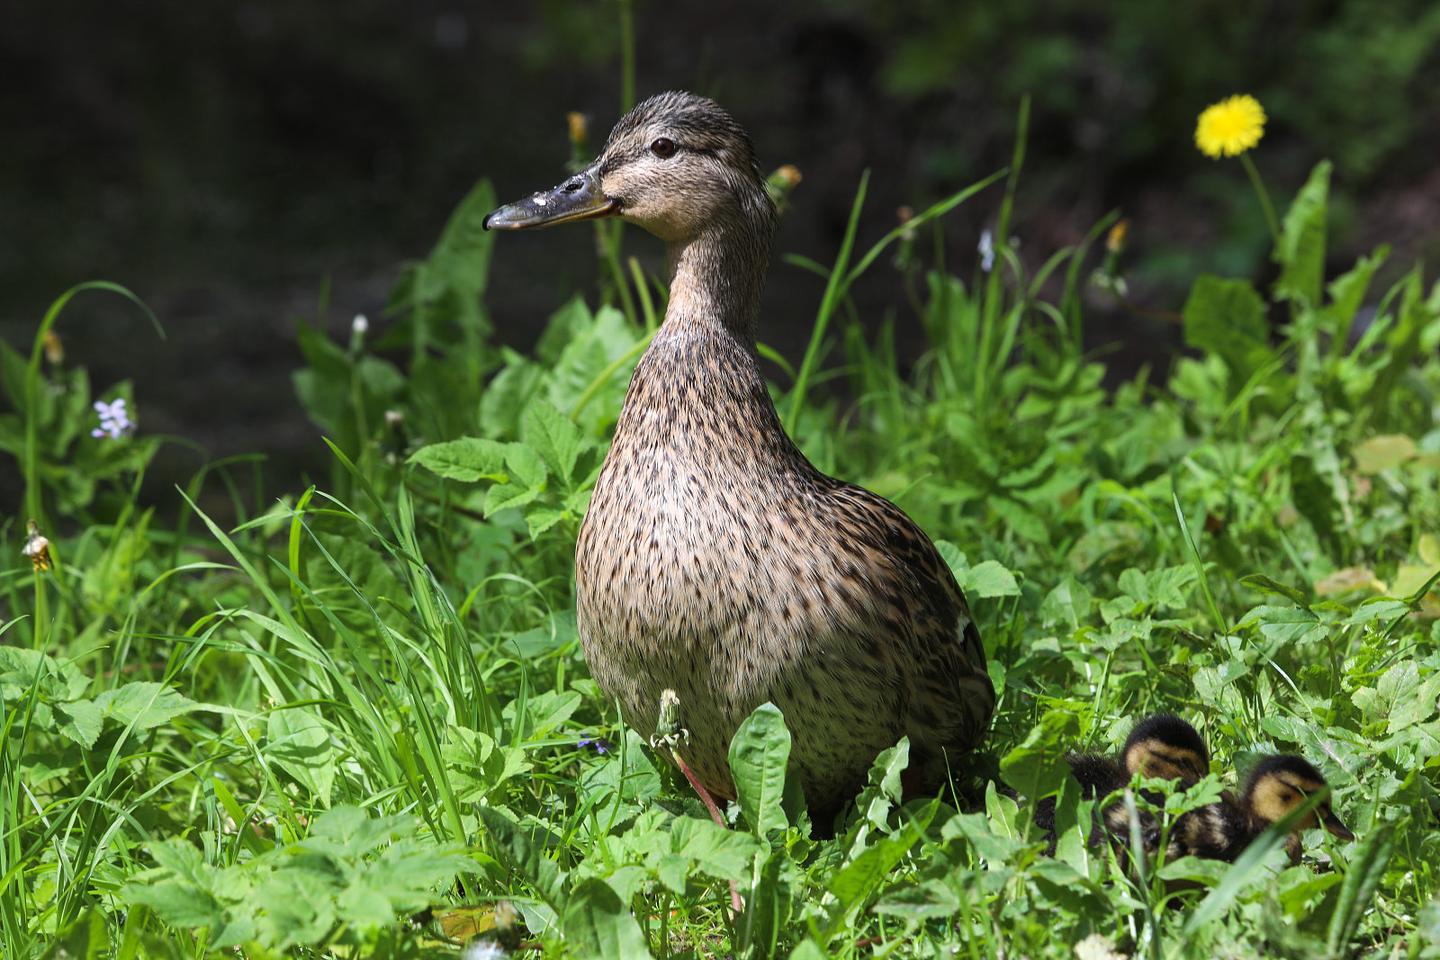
(715, 559)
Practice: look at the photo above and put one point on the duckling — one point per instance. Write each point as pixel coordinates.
(715, 560)
(1162, 746)
(1277, 785)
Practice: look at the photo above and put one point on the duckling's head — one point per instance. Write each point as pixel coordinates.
(1280, 784)
(674, 165)
(1166, 747)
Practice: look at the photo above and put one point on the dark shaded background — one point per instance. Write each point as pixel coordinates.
(228, 162)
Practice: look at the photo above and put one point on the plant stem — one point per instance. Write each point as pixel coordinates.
(1264, 196)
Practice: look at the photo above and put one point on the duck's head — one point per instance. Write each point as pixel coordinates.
(1280, 784)
(1167, 748)
(673, 165)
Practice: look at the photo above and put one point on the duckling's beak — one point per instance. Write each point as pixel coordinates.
(578, 198)
(1333, 825)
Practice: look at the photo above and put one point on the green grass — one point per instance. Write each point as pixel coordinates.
(351, 724)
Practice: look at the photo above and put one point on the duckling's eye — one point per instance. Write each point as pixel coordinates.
(663, 147)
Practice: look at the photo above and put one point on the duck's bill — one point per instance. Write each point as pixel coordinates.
(578, 198)
(1334, 826)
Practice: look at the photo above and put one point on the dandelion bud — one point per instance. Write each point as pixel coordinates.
(787, 175)
(579, 128)
(360, 325)
(37, 548)
(1115, 239)
(54, 349)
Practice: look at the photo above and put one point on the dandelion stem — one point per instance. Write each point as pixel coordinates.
(1264, 196)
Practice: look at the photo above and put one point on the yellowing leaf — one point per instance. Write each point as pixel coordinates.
(1346, 580)
(1383, 453)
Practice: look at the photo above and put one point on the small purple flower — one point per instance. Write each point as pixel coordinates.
(115, 421)
(599, 744)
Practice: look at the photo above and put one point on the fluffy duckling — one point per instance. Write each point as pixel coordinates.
(1162, 746)
(1277, 785)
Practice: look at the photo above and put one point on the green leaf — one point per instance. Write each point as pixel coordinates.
(759, 753)
(1301, 250)
(468, 459)
(523, 852)
(1067, 604)
(554, 437)
(1227, 318)
(1037, 766)
(989, 578)
(298, 740)
(146, 704)
(597, 924)
(1362, 878)
(84, 719)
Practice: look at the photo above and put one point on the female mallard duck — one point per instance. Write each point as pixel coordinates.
(715, 560)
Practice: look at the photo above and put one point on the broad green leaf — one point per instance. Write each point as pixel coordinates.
(759, 753)
(989, 578)
(468, 459)
(596, 923)
(298, 740)
(83, 721)
(1301, 250)
(1067, 604)
(146, 704)
(1037, 766)
(1227, 318)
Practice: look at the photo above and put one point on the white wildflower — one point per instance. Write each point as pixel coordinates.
(987, 251)
(115, 420)
(484, 950)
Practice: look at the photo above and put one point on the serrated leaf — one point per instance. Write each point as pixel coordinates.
(553, 436)
(146, 704)
(298, 740)
(469, 459)
(83, 721)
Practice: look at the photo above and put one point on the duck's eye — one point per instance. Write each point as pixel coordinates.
(663, 147)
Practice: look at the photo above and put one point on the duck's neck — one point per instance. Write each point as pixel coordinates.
(719, 275)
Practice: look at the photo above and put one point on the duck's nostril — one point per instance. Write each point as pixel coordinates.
(574, 185)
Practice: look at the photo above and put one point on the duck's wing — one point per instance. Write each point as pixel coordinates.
(922, 624)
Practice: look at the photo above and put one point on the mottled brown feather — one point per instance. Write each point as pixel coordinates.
(715, 558)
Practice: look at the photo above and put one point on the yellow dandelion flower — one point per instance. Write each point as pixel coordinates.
(1230, 127)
